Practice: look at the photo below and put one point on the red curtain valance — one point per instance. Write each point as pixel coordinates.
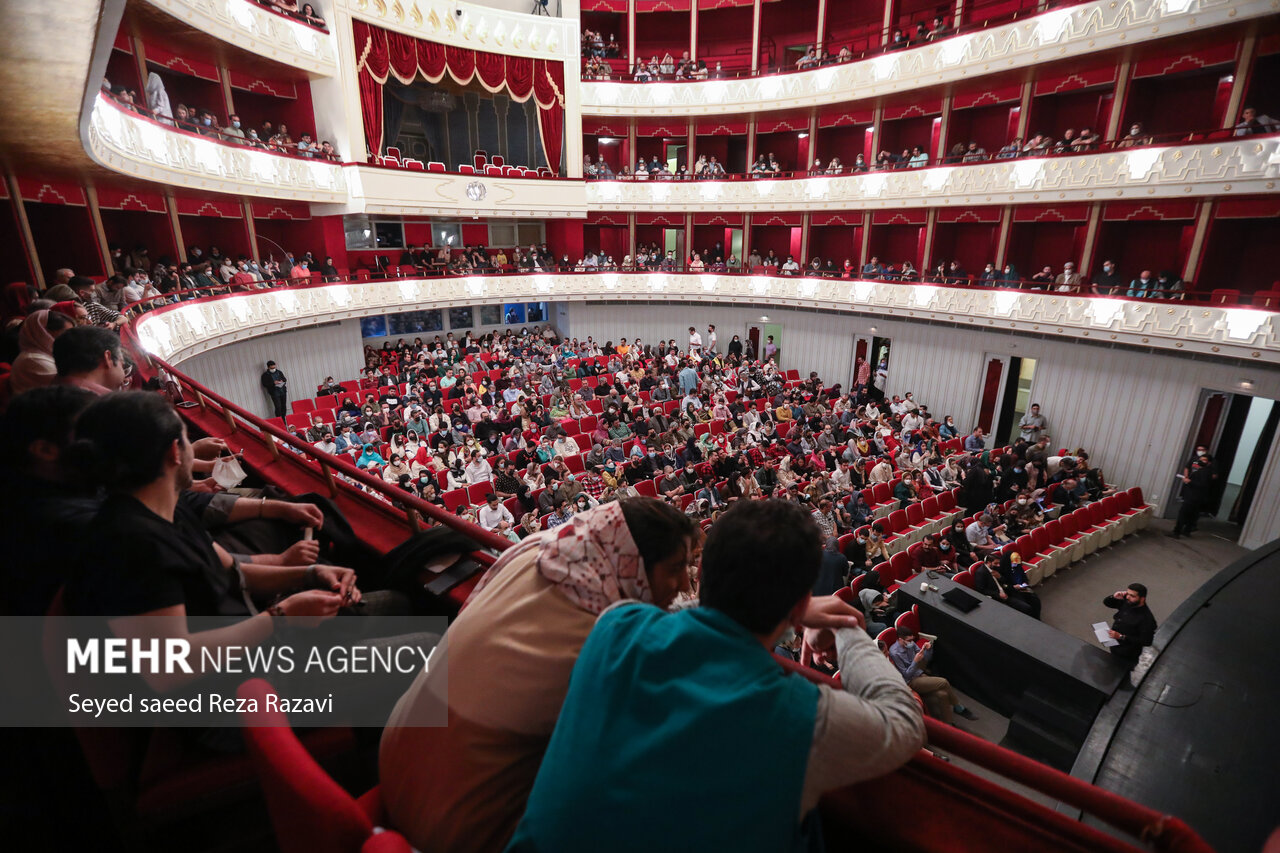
(381, 54)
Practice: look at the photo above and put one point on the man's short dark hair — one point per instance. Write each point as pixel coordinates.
(1140, 589)
(906, 634)
(760, 560)
(42, 414)
(80, 350)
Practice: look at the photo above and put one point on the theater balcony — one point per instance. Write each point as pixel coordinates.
(137, 146)
(254, 28)
(1217, 167)
(178, 331)
(1061, 34)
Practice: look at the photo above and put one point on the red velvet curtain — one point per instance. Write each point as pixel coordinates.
(372, 62)
(548, 93)
(381, 54)
(990, 390)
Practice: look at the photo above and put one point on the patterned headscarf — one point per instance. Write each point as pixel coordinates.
(592, 560)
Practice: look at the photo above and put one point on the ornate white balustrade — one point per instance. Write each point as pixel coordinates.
(1052, 36)
(1244, 165)
(251, 27)
(402, 192)
(177, 332)
(126, 142)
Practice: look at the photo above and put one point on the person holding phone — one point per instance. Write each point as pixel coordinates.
(911, 661)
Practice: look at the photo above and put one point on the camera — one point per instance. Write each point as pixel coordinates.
(457, 11)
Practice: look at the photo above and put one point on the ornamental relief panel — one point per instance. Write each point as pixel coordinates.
(247, 25)
(130, 144)
(1055, 35)
(177, 332)
(1213, 168)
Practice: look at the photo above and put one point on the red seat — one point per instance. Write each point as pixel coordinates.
(908, 619)
(306, 404)
(1224, 296)
(514, 507)
(964, 578)
(901, 566)
(476, 493)
(915, 515)
(454, 499)
(574, 463)
(310, 812)
(647, 488)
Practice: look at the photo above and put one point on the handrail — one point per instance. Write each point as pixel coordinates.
(145, 304)
(1164, 832)
(848, 170)
(215, 133)
(877, 43)
(486, 538)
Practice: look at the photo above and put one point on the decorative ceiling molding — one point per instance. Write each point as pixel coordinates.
(470, 25)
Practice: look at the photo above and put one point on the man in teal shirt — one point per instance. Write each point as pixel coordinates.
(680, 731)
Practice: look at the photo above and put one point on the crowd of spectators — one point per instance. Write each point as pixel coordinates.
(304, 12)
(668, 67)
(275, 138)
(547, 428)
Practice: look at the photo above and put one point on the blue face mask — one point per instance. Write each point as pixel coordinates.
(235, 124)
(207, 121)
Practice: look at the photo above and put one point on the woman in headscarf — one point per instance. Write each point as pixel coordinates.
(367, 455)
(510, 653)
(34, 367)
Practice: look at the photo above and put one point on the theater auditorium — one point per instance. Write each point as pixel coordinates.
(758, 424)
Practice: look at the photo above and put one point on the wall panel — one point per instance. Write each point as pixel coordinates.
(306, 356)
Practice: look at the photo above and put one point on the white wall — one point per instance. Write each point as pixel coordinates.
(1132, 411)
(306, 356)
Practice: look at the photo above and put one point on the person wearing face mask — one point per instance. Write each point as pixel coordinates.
(1108, 282)
(205, 126)
(1142, 286)
(232, 131)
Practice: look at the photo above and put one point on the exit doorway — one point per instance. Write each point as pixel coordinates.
(1239, 431)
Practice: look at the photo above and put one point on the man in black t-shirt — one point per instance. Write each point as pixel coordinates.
(277, 388)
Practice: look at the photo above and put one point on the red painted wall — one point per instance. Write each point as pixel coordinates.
(64, 238)
(1136, 246)
(835, 242)
(14, 264)
(1175, 103)
(661, 32)
(725, 35)
(1053, 114)
(1032, 245)
(565, 237)
(905, 133)
(987, 126)
(229, 235)
(971, 243)
(1240, 254)
(893, 244)
(129, 228)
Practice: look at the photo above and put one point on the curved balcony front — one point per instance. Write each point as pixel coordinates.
(247, 25)
(133, 145)
(403, 192)
(1233, 165)
(1049, 37)
(178, 331)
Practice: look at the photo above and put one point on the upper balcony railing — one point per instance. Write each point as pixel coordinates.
(1055, 35)
(1200, 323)
(1203, 164)
(840, 48)
(126, 141)
(261, 29)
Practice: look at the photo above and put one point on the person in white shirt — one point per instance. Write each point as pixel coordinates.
(909, 404)
(478, 470)
(495, 516)
(695, 342)
(711, 338)
(790, 267)
(912, 421)
(326, 444)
